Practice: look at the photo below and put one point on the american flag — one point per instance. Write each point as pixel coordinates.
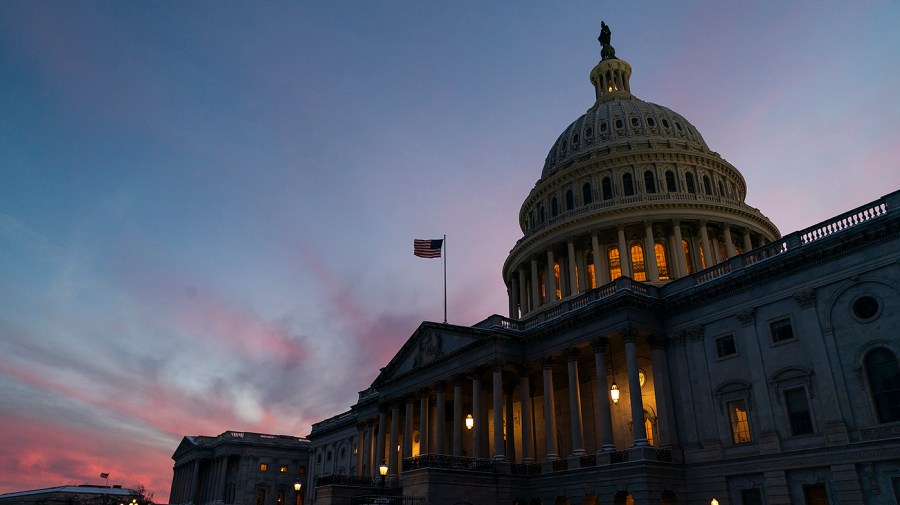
(428, 248)
(104, 475)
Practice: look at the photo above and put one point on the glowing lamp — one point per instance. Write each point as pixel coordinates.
(297, 486)
(470, 421)
(714, 502)
(383, 468)
(614, 393)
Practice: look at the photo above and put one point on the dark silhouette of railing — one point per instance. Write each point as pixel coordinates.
(344, 480)
(448, 462)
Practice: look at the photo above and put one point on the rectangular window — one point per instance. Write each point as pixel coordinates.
(815, 494)
(725, 346)
(283, 469)
(781, 330)
(263, 467)
(740, 423)
(301, 470)
(261, 496)
(280, 498)
(751, 497)
(798, 411)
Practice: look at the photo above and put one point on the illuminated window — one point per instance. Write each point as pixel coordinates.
(702, 258)
(815, 494)
(543, 288)
(670, 181)
(649, 182)
(570, 200)
(591, 272)
(554, 207)
(263, 467)
(687, 255)
(798, 411)
(279, 500)
(615, 263)
(661, 264)
(740, 423)
(638, 270)
(628, 184)
(607, 188)
(587, 193)
(707, 186)
(556, 279)
(283, 469)
(689, 182)
(648, 426)
(884, 381)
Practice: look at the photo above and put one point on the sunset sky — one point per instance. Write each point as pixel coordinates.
(207, 209)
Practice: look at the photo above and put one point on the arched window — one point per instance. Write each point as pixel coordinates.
(687, 255)
(702, 257)
(638, 270)
(615, 262)
(628, 184)
(607, 188)
(542, 217)
(721, 189)
(662, 265)
(707, 186)
(587, 194)
(570, 200)
(554, 207)
(648, 426)
(670, 181)
(723, 253)
(557, 282)
(543, 286)
(649, 182)
(884, 381)
(689, 182)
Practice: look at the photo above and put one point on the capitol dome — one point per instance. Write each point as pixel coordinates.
(629, 189)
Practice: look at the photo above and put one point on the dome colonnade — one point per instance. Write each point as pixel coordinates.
(631, 189)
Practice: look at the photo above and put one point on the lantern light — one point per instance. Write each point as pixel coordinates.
(614, 393)
(470, 421)
(383, 469)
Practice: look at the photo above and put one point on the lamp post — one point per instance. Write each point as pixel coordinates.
(383, 470)
(297, 487)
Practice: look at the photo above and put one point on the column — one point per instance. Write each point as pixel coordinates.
(408, 428)
(624, 258)
(577, 425)
(373, 457)
(748, 245)
(729, 243)
(365, 464)
(513, 296)
(601, 270)
(663, 390)
(439, 419)
(498, 413)
(510, 424)
(650, 252)
(535, 286)
(423, 422)
(480, 421)
(549, 411)
(457, 417)
(573, 271)
(192, 483)
(360, 452)
(550, 284)
(634, 388)
(600, 346)
(704, 243)
(525, 399)
(379, 439)
(523, 294)
(394, 440)
(679, 248)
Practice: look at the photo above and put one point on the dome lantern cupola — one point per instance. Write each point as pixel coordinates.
(629, 189)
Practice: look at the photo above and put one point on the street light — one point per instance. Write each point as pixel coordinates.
(297, 486)
(383, 469)
(614, 394)
(714, 502)
(470, 421)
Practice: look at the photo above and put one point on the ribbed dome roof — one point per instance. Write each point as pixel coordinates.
(616, 122)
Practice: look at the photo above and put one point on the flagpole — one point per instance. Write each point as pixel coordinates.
(445, 278)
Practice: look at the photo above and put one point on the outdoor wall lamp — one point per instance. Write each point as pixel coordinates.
(470, 421)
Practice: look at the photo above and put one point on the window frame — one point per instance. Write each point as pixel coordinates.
(790, 320)
(876, 410)
(809, 412)
(728, 393)
(733, 354)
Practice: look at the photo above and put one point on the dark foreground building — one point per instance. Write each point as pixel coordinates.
(241, 468)
(665, 344)
(84, 494)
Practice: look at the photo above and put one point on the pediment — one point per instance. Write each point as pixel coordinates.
(429, 343)
(187, 444)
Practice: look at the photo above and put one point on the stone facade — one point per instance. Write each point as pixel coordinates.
(241, 468)
(748, 367)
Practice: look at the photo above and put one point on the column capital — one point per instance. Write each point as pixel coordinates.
(547, 362)
(726, 225)
(703, 222)
(677, 338)
(629, 335)
(439, 387)
(658, 341)
(600, 344)
(695, 333)
(457, 380)
(746, 317)
(497, 365)
(648, 223)
(806, 298)
(572, 354)
(676, 222)
(620, 226)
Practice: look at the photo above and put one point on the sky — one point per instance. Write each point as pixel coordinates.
(207, 208)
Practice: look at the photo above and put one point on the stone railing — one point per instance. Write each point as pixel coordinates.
(526, 469)
(448, 462)
(344, 480)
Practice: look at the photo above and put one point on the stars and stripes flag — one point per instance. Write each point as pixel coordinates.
(428, 248)
(104, 475)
